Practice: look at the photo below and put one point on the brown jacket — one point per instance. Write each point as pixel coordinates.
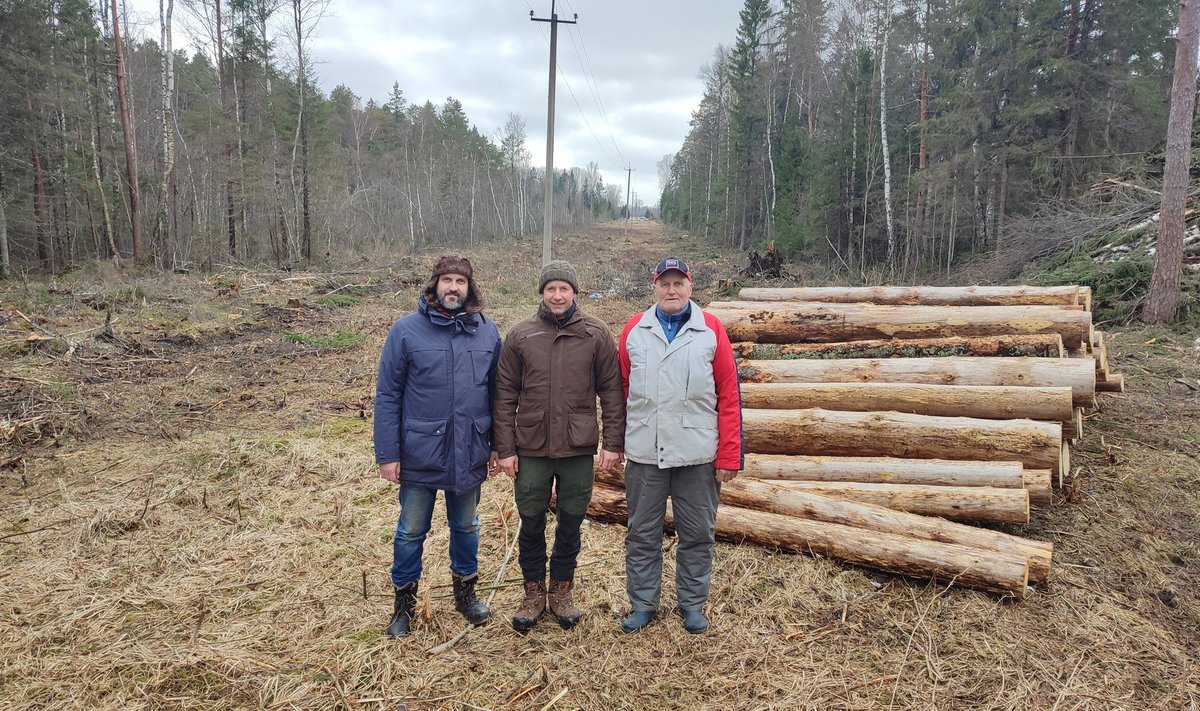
(547, 381)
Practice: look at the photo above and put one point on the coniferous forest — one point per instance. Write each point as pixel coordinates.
(893, 137)
(900, 135)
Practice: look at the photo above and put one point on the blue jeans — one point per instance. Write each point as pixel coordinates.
(416, 516)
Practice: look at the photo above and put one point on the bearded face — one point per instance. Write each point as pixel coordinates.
(452, 291)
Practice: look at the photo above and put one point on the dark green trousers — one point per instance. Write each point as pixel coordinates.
(571, 479)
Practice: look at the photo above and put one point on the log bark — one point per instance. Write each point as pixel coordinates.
(823, 323)
(1046, 346)
(1037, 445)
(1079, 374)
(992, 402)
(928, 295)
(993, 571)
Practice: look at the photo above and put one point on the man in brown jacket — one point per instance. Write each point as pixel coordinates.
(552, 367)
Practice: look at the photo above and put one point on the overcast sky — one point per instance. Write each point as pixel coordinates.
(627, 72)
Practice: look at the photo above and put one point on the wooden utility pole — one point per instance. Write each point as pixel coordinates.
(628, 193)
(548, 229)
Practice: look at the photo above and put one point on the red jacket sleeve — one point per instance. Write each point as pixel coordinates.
(623, 352)
(729, 400)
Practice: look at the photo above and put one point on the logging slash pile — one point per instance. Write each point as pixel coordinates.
(887, 426)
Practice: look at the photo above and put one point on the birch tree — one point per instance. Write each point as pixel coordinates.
(131, 166)
(162, 228)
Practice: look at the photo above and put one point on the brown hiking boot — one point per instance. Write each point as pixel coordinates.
(531, 607)
(561, 604)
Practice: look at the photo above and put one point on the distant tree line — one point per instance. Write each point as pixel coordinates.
(234, 152)
(896, 136)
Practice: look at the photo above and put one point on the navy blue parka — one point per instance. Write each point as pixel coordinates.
(433, 398)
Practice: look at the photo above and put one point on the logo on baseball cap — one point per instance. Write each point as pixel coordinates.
(672, 263)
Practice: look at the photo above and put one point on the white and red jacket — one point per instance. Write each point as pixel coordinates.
(683, 406)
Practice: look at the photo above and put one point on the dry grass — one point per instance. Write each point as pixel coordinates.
(193, 524)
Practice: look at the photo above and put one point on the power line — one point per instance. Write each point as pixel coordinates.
(583, 115)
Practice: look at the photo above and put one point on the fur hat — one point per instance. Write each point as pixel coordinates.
(455, 264)
(558, 270)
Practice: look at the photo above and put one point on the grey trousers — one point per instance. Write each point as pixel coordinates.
(693, 491)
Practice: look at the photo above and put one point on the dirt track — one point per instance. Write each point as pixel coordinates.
(191, 519)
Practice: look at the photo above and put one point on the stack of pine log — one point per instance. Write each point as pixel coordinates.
(883, 424)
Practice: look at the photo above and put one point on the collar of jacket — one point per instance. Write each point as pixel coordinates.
(573, 315)
(695, 321)
(464, 320)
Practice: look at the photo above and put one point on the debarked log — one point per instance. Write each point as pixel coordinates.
(978, 504)
(1005, 346)
(1078, 374)
(992, 402)
(927, 295)
(968, 566)
(896, 470)
(783, 498)
(786, 322)
(1037, 445)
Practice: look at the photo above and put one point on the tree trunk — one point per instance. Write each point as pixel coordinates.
(886, 157)
(1050, 346)
(1037, 445)
(131, 166)
(968, 566)
(1162, 299)
(990, 402)
(885, 470)
(223, 97)
(5, 266)
(788, 499)
(894, 470)
(39, 204)
(1078, 374)
(302, 134)
(162, 223)
(824, 323)
(928, 295)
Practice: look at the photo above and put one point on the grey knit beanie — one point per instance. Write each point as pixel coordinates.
(558, 270)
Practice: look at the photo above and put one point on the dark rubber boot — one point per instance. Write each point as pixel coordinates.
(466, 603)
(402, 610)
(694, 621)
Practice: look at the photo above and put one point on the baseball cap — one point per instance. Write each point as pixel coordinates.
(672, 263)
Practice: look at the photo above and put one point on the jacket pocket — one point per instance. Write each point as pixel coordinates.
(700, 424)
(424, 445)
(531, 430)
(582, 428)
(430, 368)
(481, 364)
(481, 441)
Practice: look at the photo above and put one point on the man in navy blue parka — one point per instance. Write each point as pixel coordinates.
(433, 430)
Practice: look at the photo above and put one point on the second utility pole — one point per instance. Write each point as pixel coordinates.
(628, 182)
(549, 212)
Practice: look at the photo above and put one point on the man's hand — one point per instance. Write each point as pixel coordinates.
(508, 465)
(390, 471)
(608, 460)
(724, 475)
(493, 464)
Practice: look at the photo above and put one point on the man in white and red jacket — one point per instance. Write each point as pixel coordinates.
(683, 439)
